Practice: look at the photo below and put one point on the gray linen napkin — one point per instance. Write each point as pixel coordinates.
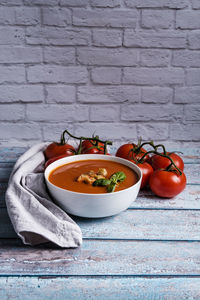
(35, 218)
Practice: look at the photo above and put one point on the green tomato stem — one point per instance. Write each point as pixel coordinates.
(94, 140)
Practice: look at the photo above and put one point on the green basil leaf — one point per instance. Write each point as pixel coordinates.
(118, 177)
(111, 187)
(101, 182)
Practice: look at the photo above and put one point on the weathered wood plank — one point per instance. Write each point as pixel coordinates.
(99, 288)
(188, 199)
(3, 187)
(97, 257)
(6, 228)
(145, 224)
(131, 224)
(11, 154)
(192, 172)
(5, 172)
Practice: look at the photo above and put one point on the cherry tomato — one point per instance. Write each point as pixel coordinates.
(49, 161)
(147, 170)
(87, 147)
(56, 149)
(159, 162)
(126, 151)
(167, 184)
(90, 151)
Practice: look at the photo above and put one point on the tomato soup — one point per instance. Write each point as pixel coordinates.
(65, 176)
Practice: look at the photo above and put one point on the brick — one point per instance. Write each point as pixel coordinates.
(104, 113)
(7, 15)
(148, 112)
(188, 132)
(63, 55)
(27, 15)
(148, 39)
(56, 16)
(74, 3)
(107, 57)
(11, 112)
(106, 131)
(157, 18)
(195, 4)
(41, 2)
(106, 75)
(187, 95)
(52, 132)
(156, 76)
(57, 36)
(186, 58)
(12, 35)
(105, 3)
(158, 131)
(107, 38)
(154, 58)
(12, 74)
(102, 94)
(157, 95)
(102, 18)
(57, 74)
(194, 39)
(21, 93)
(193, 77)
(187, 19)
(20, 131)
(57, 113)
(60, 94)
(20, 54)
(157, 3)
(192, 113)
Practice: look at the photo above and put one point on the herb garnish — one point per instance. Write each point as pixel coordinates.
(111, 182)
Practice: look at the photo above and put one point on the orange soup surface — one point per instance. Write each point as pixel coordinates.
(65, 176)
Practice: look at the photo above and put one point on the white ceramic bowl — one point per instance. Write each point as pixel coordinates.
(93, 205)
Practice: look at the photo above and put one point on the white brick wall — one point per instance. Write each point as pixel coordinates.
(122, 69)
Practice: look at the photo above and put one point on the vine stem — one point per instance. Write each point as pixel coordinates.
(95, 139)
(163, 155)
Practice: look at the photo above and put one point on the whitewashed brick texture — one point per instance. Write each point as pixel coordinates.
(122, 69)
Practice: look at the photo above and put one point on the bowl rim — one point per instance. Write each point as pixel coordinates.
(61, 162)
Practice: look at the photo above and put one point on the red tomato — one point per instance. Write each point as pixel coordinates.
(167, 184)
(87, 147)
(147, 170)
(127, 151)
(56, 149)
(159, 162)
(49, 161)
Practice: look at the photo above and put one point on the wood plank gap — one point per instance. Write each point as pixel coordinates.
(138, 240)
(107, 240)
(46, 276)
(157, 208)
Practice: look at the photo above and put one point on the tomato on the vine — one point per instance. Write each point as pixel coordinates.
(160, 162)
(91, 147)
(51, 160)
(167, 184)
(57, 149)
(129, 151)
(147, 170)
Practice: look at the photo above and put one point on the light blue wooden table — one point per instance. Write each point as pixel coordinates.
(150, 251)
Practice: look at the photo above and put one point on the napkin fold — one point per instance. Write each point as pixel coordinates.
(35, 217)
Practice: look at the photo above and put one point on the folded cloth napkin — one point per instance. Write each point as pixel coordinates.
(35, 217)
